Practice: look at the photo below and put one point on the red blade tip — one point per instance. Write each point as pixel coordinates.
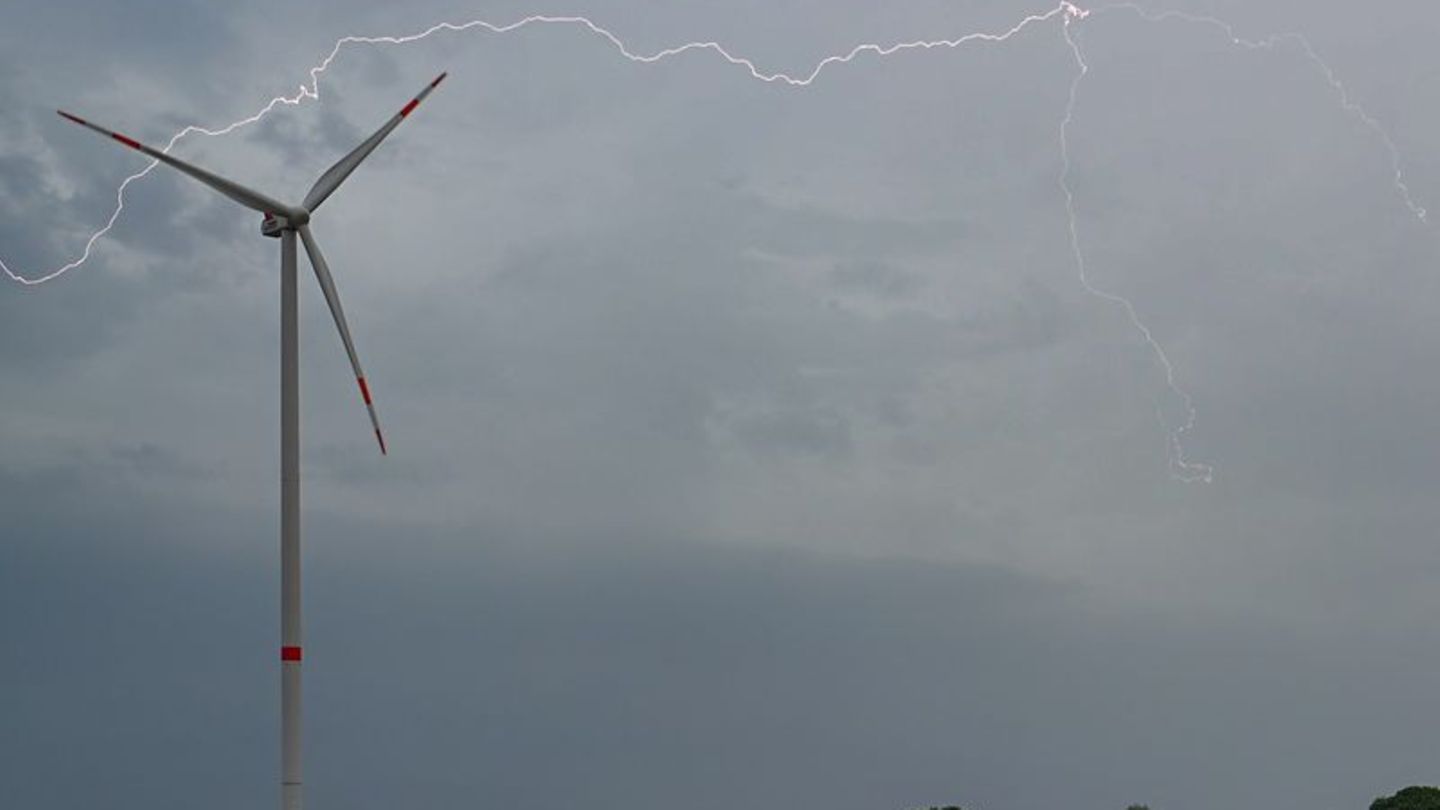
(439, 79)
(381, 438)
(77, 119)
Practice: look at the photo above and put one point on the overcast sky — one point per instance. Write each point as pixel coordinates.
(751, 446)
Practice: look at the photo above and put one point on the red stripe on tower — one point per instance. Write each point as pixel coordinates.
(289, 653)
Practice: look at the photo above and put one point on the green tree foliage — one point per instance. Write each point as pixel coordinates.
(1411, 798)
(1138, 807)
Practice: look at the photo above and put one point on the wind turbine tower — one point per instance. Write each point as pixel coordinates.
(286, 222)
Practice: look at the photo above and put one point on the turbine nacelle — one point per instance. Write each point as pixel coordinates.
(275, 224)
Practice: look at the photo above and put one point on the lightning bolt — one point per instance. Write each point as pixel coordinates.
(1180, 467)
(1302, 44)
(311, 90)
(1067, 12)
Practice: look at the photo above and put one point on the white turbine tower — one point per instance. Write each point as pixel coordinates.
(285, 221)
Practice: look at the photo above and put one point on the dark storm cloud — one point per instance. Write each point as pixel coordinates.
(751, 446)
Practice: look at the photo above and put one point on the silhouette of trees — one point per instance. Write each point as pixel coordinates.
(1411, 798)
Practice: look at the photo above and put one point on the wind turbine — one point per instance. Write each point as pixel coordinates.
(285, 221)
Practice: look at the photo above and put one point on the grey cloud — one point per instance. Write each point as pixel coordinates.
(879, 278)
(820, 431)
(752, 446)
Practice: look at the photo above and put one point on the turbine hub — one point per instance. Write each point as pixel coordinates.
(274, 224)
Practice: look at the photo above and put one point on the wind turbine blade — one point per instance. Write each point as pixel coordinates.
(335, 175)
(231, 189)
(332, 298)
